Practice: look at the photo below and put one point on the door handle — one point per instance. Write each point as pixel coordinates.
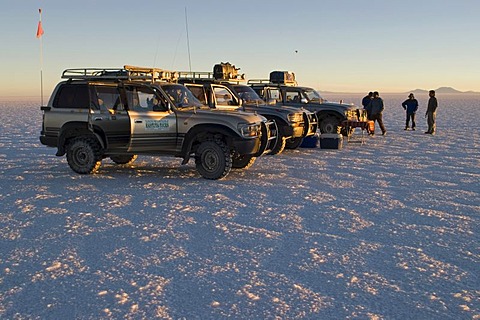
(97, 119)
(138, 121)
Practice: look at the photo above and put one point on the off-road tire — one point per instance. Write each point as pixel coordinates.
(123, 158)
(213, 160)
(279, 145)
(329, 125)
(243, 161)
(293, 143)
(84, 155)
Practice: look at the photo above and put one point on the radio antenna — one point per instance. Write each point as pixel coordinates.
(188, 41)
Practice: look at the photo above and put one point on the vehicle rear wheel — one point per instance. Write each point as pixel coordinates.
(84, 155)
(124, 158)
(243, 161)
(213, 160)
(329, 125)
(293, 143)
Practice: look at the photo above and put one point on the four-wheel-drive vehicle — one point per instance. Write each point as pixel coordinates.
(223, 89)
(282, 89)
(121, 113)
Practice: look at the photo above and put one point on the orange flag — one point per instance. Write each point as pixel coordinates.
(39, 28)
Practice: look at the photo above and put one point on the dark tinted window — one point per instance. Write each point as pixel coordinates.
(72, 96)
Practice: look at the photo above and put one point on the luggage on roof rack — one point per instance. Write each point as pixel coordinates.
(152, 74)
(283, 77)
(227, 71)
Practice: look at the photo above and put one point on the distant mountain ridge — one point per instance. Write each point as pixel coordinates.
(443, 90)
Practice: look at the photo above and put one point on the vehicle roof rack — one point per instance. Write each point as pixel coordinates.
(127, 73)
(259, 81)
(94, 73)
(205, 75)
(151, 74)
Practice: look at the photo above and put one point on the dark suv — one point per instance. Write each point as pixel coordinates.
(121, 113)
(223, 89)
(282, 89)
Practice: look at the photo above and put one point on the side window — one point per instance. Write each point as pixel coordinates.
(73, 96)
(274, 94)
(293, 97)
(199, 93)
(108, 98)
(261, 93)
(144, 99)
(223, 96)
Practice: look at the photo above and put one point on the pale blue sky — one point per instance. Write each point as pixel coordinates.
(345, 46)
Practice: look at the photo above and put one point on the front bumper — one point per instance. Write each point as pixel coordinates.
(311, 124)
(268, 138)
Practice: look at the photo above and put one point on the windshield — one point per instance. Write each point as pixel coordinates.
(181, 96)
(248, 95)
(313, 96)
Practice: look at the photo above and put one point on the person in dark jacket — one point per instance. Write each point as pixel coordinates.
(376, 108)
(366, 101)
(411, 106)
(431, 112)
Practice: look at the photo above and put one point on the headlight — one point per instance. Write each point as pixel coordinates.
(295, 117)
(250, 130)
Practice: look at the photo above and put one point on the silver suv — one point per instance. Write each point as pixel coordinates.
(121, 113)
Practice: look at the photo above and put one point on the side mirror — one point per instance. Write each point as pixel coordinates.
(304, 100)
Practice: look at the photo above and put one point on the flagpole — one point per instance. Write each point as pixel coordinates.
(39, 35)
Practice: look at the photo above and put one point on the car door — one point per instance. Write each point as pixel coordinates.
(223, 97)
(198, 90)
(294, 98)
(153, 123)
(110, 115)
(272, 95)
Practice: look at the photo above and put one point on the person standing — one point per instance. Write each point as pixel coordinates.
(431, 112)
(366, 102)
(376, 108)
(411, 106)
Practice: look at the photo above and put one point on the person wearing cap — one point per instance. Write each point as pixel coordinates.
(411, 106)
(376, 108)
(431, 112)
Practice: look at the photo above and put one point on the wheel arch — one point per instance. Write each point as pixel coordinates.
(200, 133)
(323, 114)
(74, 129)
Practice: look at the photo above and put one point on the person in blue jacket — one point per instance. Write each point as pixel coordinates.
(411, 106)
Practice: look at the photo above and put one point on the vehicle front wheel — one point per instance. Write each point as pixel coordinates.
(213, 160)
(329, 125)
(123, 158)
(293, 143)
(84, 155)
